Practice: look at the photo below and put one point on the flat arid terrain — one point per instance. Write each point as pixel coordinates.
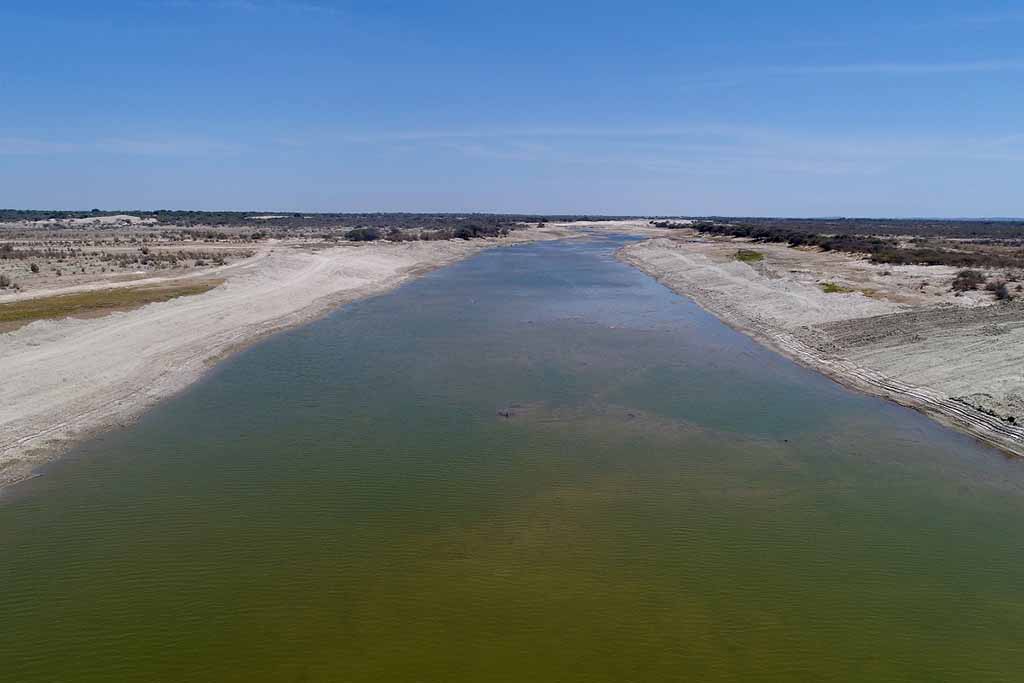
(907, 332)
(102, 316)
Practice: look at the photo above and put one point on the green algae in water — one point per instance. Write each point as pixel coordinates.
(535, 465)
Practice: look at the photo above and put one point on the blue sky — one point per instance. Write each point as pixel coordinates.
(864, 108)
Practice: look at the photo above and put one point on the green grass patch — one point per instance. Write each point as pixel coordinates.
(833, 288)
(94, 304)
(749, 256)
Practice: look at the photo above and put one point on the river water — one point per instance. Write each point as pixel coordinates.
(536, 465)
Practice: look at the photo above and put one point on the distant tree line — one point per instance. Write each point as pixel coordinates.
(464, 231)
(880, 248)
(950, 228)
(292, 220)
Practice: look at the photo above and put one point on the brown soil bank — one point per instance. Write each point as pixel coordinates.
(896, 332)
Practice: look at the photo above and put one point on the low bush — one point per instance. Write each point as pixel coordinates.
(472, 230)
(435, 235)
(749, 256)
(833, 288)
(967, 280)
(363, 235)
(880, 249)
(999, 290)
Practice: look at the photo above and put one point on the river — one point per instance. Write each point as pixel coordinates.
(538, 464)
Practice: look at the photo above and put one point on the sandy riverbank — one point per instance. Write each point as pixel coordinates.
(68, 378)
(896, 332)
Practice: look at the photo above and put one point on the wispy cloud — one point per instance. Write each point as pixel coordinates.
(681, 149)
(608, 132)
(898, 68)
(707, 148)
(990, 18)
(162, 147)
(720, 79)
(249, 6)
(165, 147)
(19, 146)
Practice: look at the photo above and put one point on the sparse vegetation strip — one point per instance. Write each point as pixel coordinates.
(965, 244)
(17, 313)
(749, 256)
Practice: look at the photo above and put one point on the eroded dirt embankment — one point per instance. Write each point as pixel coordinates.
(895, 333)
